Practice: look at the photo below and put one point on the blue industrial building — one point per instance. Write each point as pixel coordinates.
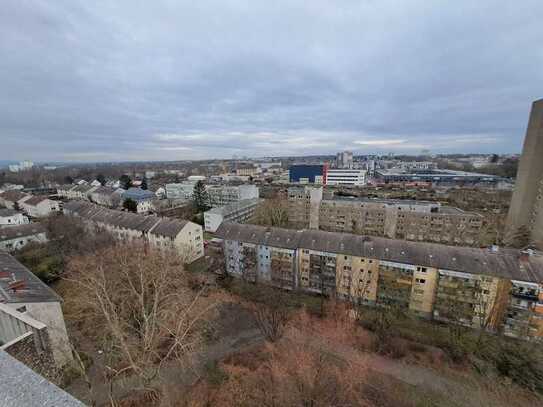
(305, 171)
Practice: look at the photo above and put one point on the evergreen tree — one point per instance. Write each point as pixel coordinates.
(200, 197)
(126, 182)
(130, 205)
(144, 183)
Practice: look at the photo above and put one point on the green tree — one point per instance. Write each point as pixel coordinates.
(126, 182)
(200, 197)
(144, 183)
(101, 179)
(130, 205)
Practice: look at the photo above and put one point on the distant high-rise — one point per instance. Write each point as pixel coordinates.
(344, 159)
(526, 210)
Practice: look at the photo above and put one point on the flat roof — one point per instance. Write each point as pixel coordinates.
(18, 284)
(226, 209)
(21, 386)
(382, 200)
(445, 173)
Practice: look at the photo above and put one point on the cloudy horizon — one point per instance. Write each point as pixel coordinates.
(177, 80)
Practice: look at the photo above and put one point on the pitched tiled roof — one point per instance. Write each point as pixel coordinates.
(104, 190)
(13, 196)
(14, 232)
(35, 200)
(7, 212)
(31, 288)
(506, 263)
(168, 227)
(99, 214)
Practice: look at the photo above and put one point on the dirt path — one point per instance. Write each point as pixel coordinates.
(237, 332)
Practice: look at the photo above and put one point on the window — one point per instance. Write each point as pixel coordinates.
(420, 280)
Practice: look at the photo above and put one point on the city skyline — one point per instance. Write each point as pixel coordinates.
(89, 82)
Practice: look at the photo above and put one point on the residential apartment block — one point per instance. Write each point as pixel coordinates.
(303, 206)
(40, 206)
(179, 191)
(12, 199)
(163, 233)
(11, 217)
(495, 290)
(31, 316)
(393, 218)
(400, 219)
(16, 237)
(239, 212)
(220, 195)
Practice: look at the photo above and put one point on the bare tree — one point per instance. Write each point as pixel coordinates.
(272, 212)
(142, 308)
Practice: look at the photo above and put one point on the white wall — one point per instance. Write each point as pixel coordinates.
(50, 314)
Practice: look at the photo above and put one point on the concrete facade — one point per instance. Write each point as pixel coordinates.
(526, 208)
(396, 219)
(239, 212)
(461, 285)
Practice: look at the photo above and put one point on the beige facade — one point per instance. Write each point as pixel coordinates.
(480, 288)
(395, 219)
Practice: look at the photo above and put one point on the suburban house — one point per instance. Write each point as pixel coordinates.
(64, 190)
(11, 217)
(143, 197)
(493, 289)
(182, 236)
(17, 237)
(40, 206)
(31, 321)
(82, 191)
(13, 199)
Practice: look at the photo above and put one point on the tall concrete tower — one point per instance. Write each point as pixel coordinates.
(527, 204)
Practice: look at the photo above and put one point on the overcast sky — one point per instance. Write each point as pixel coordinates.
(152, 80)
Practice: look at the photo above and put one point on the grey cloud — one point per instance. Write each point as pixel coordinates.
(100, 80)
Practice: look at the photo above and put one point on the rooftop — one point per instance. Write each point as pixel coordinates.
(16, 231)
(21, 386)
(7, 212)
(412, 202)
(35, 200)
(104, 190)
(168, 227)
(13, 196)
(226, 209)
(138, 194)
(506, 263)
(125, 220)
(443, 173)
(18, 284)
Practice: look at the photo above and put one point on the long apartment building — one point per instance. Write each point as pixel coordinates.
(220, 195)
(180, 235)
(239, 212)
(495, 290)
(393, 218)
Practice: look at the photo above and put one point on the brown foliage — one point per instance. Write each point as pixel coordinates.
(138, 304)
(271, 212)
